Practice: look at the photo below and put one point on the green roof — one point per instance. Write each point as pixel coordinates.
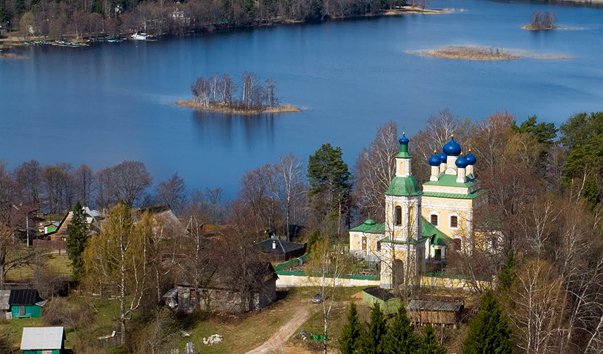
(403, 152)
(429, 230)
(370, 227)
(449, 181)
(403, 186)
(472, 195)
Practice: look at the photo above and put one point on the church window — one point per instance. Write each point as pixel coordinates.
(364, 243)
(454, 221)
(434, 219)
(398, 216)
(378, 246)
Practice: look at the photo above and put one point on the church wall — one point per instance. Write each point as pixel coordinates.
(371, 250)
(445, 208)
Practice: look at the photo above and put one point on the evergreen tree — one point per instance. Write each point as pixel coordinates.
(350, 335)
(371, 342)
(76, 240)
(489, 331)
(330, 184)
(429, 343)
(507, 276)
(400, 338)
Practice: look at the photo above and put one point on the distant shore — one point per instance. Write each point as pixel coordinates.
(216, 108)
(16, 39)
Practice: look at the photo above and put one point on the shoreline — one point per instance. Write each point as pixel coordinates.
(284, 108)
(16, 40)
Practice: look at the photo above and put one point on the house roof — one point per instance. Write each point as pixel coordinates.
(379, 293)
(281, 246)
(24, 297)
(435, 305)
(35, 338)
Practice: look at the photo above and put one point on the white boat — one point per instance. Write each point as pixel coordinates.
(140, 36)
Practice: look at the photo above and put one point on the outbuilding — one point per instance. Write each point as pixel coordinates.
(43, 340)
(25, 303)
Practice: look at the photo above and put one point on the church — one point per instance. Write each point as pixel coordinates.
(422, 224)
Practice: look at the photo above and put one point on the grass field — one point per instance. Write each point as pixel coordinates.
(59, 264)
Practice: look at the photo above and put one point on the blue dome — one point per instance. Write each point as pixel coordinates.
(443, 157)
(435, 160)
(452, 148)
(470, 158)
(403, 140)
(461, 162)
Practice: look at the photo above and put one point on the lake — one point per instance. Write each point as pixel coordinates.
(113, 102)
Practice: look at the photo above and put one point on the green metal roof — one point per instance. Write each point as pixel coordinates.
(429, 230)
(449, 181)
(397, 242)
(454, 195)
(370, 227)
(404, 186)
(403, 152)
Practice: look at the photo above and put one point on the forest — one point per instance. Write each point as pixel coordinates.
(545, 188)
(112, 18)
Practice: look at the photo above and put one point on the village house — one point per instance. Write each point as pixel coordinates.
(281, 250)
(421, 225)
(25, 303)
(227, 293)
(43, 340)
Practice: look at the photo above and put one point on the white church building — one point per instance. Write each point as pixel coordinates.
(422, 224)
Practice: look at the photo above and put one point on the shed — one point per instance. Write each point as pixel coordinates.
(25, 303)
(43, 340)
(435, 311)
(388, 302)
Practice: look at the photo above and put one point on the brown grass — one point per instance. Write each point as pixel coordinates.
(472, 53)
(218, 108)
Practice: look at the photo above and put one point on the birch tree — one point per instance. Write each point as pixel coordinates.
(116, 261)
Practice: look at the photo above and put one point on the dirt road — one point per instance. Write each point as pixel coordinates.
(276, 343)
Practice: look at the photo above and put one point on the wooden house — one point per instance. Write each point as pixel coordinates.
(223, 292)
(25, 303)
(43, 340)
(281, 250)
(435, 311)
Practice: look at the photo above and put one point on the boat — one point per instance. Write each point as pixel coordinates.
(140, 36)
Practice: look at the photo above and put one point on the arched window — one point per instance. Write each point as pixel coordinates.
(454, 221)
(434, 219)
(398, 216)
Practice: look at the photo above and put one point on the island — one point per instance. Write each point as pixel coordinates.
(218, 94)
(541, 21)
(469, 53)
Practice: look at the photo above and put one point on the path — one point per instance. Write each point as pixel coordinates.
(278, 339)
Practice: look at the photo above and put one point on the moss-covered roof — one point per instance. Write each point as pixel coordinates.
(429, 230)
(449, 181)
(370, 227)
(403, 186)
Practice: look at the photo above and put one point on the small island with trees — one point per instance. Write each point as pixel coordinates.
(219, 94)
(470, 53)
(541, 21)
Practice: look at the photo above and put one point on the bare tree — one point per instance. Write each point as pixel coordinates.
(29, 176)
(83, 179)
(375, 168)
(172, 193)
(292, 190)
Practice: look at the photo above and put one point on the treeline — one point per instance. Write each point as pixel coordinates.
(87, 18)
(221, 91)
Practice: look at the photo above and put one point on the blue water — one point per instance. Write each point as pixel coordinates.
(108, 103)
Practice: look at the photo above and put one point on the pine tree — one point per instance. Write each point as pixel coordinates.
(350, 335)
(400, 338)
(371, 342)
(429, 343)
(330, 184)
(489, 331)
(76, 241)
